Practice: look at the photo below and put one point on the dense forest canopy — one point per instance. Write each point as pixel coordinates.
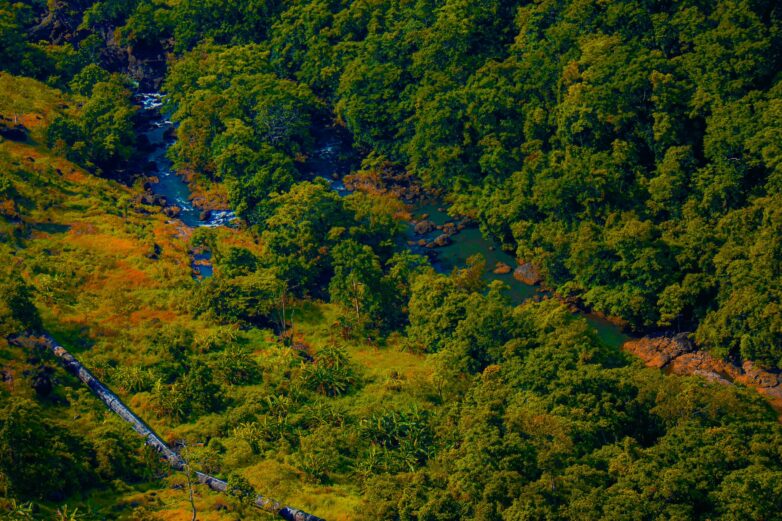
(630, 150)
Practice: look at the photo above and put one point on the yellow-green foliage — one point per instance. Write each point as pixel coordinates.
(29, 102)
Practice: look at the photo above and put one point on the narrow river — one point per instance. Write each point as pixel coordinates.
(157, 131)
(331, 158)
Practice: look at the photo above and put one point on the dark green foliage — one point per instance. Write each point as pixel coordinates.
(17, 55)
(17, 311)
(241, 490)
(235, 22)
(117, 455)
(556, 426)
(87, 78)
(748, 266)
(307, 220)
(234, 365)
(314, 236)
(194, 393)
(102, 135)
(237, 262)
(147, 26)
(239, 123)
(357, 279)
(248, 298)
(404, 437)
(38, 459)
(629, 149)
(13, 44)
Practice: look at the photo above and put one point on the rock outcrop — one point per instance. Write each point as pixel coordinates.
(449, 228)
(527, 273)
(679, 355)
(442, 240)
(172, 211)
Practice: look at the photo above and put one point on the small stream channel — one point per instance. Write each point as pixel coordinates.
(157, 131)
(331, 158)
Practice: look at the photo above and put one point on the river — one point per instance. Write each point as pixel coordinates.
(331, 158)
(156, 130)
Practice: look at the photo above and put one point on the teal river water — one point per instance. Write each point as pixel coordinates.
(332, 153)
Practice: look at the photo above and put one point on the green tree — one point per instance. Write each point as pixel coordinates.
(38, 459)
(332, 373)
(356, 280)
(17, 310)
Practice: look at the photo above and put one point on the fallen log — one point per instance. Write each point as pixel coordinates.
(175, 461)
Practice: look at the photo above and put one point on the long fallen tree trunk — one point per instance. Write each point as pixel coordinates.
(112, 401)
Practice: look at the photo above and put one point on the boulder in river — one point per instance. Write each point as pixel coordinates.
(442, 240)
(449, 228)
(205, 215)
(151, 199)
(501, 268)
(172, 211)
(424, 227)
(422, 242)
(527, 273)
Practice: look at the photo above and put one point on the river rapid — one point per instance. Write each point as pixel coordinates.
(332, 157)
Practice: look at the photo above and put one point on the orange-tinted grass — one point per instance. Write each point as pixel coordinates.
(101, 242)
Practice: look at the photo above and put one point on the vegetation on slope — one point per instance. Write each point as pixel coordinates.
(627, 148)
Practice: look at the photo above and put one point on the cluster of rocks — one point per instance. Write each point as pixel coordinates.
(679, 355)
(150, 198)
(425, 226)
